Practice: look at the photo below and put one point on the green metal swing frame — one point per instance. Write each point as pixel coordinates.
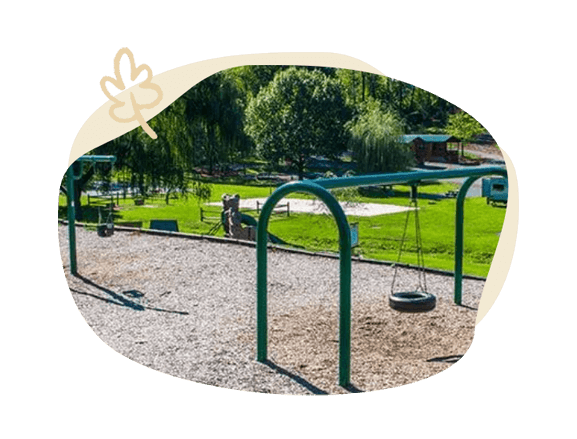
(71, 208)
(320, 188)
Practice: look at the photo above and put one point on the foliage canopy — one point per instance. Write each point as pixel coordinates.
(300, 113)
(285, 115)
(374, 141)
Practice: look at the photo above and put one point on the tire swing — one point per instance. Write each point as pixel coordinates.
(417, 300)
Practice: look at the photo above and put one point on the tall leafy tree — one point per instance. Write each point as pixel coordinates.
(250, 79)
(464, 127)
(359, 86)
(214, 112)
(374, 141)
(300, 113)
(166, 162)
(418, 110)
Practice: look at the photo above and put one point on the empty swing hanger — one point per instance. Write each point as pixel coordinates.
(107, 228)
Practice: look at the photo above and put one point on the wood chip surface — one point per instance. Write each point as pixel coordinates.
(187, 307)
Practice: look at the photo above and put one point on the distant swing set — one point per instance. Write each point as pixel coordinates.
(73, 175)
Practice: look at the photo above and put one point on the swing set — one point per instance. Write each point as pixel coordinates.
(417, 300)
(414, 300)
(74, 173)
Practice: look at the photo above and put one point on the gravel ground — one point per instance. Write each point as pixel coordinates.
(186, 307)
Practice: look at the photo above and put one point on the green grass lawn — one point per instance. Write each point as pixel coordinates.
(378, 236)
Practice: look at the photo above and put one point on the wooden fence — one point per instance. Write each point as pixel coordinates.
(278, 210)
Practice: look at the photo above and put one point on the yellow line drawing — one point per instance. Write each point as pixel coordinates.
(137, 102)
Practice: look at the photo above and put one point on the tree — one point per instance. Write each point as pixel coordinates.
(374, 141)
(79, 187)
(417, 109)
(147, 162)
(166, 162)
(250, 79)
(300, 113)
(359, 86)
(214, 113)
(464, 127)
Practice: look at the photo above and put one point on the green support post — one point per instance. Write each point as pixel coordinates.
(459, 233)
(345, 272)
(71, 213)
(71, 196)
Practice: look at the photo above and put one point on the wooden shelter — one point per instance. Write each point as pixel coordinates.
(431, 147)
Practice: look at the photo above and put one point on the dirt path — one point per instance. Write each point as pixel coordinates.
(489, 153)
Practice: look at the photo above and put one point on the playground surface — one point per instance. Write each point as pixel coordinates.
(186, 307)
(318, 207)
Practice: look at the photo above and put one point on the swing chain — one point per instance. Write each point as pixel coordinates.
(413, 205)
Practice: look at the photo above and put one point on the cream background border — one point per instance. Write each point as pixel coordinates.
(101, 128)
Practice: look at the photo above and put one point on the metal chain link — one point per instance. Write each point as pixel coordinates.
(422, 281)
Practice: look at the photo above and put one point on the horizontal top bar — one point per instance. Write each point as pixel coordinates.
(97, 158)
(408, 177)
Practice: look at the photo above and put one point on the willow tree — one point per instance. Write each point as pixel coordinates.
(374, 141)
(214, 113)
(167, 161)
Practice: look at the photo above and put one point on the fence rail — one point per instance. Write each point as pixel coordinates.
(278, 210)
(204, 217)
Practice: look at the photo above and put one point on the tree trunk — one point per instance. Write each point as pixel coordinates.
(301, 167)
(78, 188)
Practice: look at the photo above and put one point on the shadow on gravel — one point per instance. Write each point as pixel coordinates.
(299, 380)
(450, 359)
(119, 300)
(469, 307)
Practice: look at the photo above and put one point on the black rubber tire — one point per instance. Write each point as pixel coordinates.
(104, 230)
(413, 301)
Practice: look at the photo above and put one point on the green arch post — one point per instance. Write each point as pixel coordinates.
(71, 176)
(320, 189)
(459, 232)
(345, 272)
